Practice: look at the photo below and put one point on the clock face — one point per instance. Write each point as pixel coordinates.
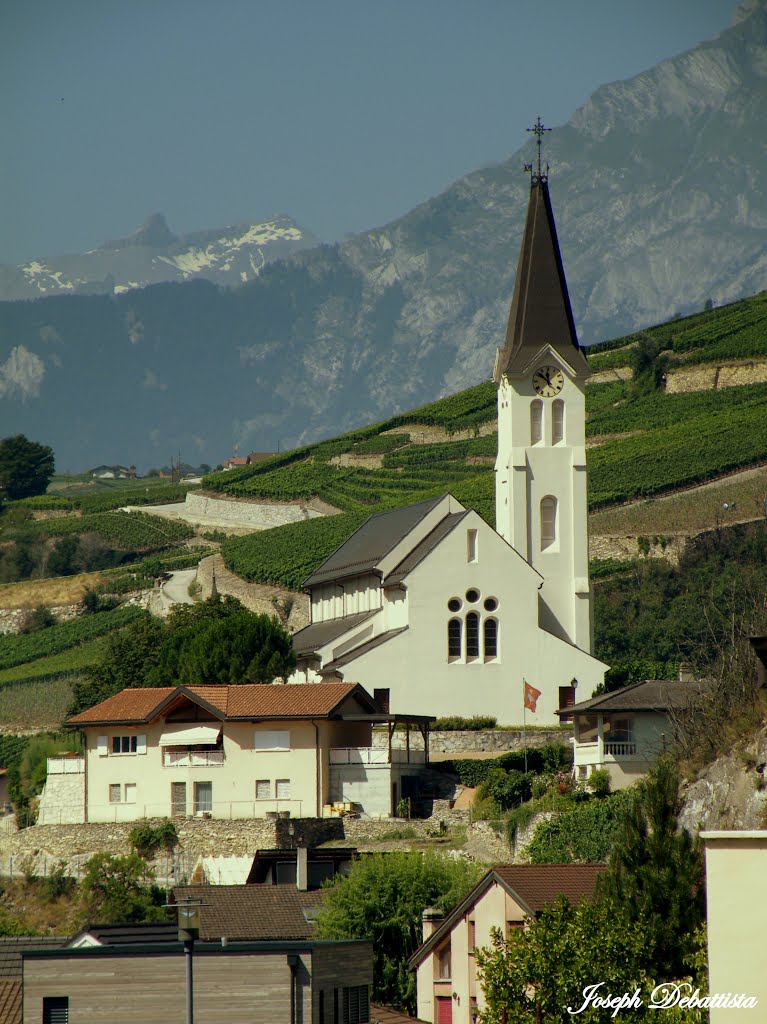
(548, 381)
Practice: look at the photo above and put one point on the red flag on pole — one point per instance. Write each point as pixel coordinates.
(531, 696)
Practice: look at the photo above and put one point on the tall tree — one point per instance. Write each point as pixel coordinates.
(26, 467)
(655, 871)
(383, 899)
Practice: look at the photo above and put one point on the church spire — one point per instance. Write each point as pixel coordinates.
(540, 309)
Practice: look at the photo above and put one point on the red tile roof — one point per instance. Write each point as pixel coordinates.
(254, 912)
(539, 884)
(10, 1002)
(388, 1015)
(303, 700)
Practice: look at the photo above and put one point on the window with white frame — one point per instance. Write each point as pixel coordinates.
(536, 421)
(481, 632)
(273, 739)
(282, 789)
(263, 789)
(548, 522)
(557, 421)
(130, 793)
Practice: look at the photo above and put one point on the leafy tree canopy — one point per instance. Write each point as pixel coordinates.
(26, 467)
(383, 899)
(119, 890)
(216, 641)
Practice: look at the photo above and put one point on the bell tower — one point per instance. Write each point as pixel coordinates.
(540, 473)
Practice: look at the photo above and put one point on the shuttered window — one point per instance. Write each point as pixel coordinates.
(548, 522)
(356, 1005)
(536, 422)
(557, 421)
(55, 1009)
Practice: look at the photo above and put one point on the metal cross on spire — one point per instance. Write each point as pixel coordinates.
(538, 129)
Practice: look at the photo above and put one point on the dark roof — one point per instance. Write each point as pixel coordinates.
(531, 885)
(10, 1002)
(12, 948)
(371, 542)
(126, 934)
(651, 695)
(356, 652)
(420, 551)
(254, 912)
(246, 701)
(540, 309)
(265, 860)
(317, 634)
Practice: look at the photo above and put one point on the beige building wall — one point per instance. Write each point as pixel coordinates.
(302, 771)
(493, 909)
(652, 736)
(736, 896)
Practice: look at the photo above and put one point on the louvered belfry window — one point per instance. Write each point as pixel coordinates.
(55, 1009)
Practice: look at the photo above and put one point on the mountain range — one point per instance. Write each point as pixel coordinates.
(659, 190)
(153, 254)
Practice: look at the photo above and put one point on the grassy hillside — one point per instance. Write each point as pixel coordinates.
(646, 443)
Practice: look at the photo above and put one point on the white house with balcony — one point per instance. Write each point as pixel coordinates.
(628, 730)
(233, 752)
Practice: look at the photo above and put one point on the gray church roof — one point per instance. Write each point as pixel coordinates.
(317, 634)
(420, 551)
(371, 542)
(540, 309)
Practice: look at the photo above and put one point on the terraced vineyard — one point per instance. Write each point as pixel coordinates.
(675, 441)
(128, 530)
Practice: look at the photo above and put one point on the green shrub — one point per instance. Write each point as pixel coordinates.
(549, 758)
(58, 884)
(147, 839)
(453, 723)
(599, 782)
(584, 834)
(507, 789)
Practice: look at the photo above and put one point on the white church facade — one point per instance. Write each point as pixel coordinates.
(429, 606)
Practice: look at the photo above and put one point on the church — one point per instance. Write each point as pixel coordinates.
(430, 608)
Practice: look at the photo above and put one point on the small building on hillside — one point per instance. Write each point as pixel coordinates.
(626, 731)
(507, 896)
(245, 751)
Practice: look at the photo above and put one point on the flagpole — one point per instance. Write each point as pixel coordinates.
(524, 720)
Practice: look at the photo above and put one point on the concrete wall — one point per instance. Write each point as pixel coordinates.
(62, 801)
(736, 894)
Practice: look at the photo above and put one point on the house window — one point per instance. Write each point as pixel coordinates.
(124, 744)
(444, 964)
(115, 793)
(454, 638)
(472, 635)
(536, 422)
(55, 1009)
(130, 792)
(356, 1005)
(548, 522)
(203, 797)
(557, 421)
(263, 789)
(471, 545)
(282, 789)
(178, 798)
(491, 638)
(619, 730)
(587, 728)
(382, 698)
(270, 739)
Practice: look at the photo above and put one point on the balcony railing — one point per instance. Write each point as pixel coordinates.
(375, 755)
(173, 758)
(620, 749)
(66, 765)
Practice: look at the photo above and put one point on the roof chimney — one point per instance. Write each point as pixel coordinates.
(302, 867)
(686, 672)
(432, 918)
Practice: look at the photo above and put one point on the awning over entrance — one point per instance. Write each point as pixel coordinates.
(183, 735)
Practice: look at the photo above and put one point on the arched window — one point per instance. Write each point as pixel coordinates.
(548, 522)
(454, 638)
(491, 638)
(536, 421)
(472, 635)
(557, 421)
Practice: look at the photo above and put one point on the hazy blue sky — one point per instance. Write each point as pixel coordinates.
(342, 113)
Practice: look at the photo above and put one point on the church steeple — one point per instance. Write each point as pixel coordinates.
(540, 309)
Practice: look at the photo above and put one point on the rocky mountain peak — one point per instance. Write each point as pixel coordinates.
(154, 233)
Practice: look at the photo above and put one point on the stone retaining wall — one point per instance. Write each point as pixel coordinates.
(11, 619)
(468, 741)
(261, 515)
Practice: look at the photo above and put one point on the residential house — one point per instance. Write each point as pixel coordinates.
(234, 462)
(736, 905)
(233, 752)
(114, 473)
(507, 896)
(431, 603)
(627, 730)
